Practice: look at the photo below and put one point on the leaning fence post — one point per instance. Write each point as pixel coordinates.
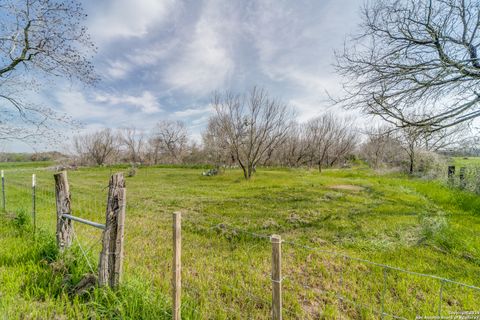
(276, 241)
(62, 196)
(177, 265)
(3, 191)
(111, 257)
(34, 205)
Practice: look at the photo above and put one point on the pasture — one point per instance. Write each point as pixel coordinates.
(325, 219)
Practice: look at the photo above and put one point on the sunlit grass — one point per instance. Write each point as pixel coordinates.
(408, 223)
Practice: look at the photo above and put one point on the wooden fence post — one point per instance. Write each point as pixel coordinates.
(276, 241)
(62, 196)
(177, 265)
(111, 257)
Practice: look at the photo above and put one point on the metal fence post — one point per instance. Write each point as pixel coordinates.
(451, 176)
(177, 265)
(463, 181)
(34, 204)
(276, 241)
(3, 191)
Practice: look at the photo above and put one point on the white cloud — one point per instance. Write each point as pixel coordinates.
(146, 102)
(206, 61)
(191, 112)
(127, 18)
(118, 69)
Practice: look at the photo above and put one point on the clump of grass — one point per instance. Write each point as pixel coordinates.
(21, 219)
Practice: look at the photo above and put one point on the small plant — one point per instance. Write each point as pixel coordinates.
(22, 219)
(132, 172)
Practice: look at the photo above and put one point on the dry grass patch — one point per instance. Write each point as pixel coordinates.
(347, 187)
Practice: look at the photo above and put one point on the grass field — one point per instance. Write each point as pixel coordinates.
(407, 223)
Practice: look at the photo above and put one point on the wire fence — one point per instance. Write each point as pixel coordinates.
(228, 273)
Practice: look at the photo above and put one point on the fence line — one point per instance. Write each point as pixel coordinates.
(276, 277)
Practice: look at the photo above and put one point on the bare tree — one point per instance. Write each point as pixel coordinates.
(168, 141)
(415, 62)
(294, 150)
(330, 139)
(39, 38)
(99, 147)
(216, 146)
(381, 147)
(250, 125)
(415, 139)
(134, 143)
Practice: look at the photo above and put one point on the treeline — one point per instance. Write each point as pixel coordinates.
(247, 130)
(27, 157)
(254, 129)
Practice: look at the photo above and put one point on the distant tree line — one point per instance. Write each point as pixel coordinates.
(253, 129)
(247, 131)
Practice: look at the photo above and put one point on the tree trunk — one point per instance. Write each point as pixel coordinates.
(412, 161)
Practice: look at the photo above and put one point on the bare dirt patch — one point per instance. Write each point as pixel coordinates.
(347, 187)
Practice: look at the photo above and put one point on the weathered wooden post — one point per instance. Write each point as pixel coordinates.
(463, 181)
(177, 265)
(276, 241)
(3, 191)
(34, 204)
(451, 176)
(111, 257)
(63, 202)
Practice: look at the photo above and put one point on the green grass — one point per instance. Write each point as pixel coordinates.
(390, 219)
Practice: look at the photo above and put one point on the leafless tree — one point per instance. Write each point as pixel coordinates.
(294, 150)
(134, 143)
(215, 145)
(414, 139)
(249, 125)
(381, 147)
(330, 138)
(168, 141)
(39, 38)
(99, 147)
(415, 62)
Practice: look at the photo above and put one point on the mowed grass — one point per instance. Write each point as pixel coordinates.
(324, 218)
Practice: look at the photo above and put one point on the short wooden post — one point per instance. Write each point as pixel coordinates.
(34, 204)
(463, 181)
(276, 241)
(111, 257)
(63, 202)
(177, 265)
(451, 175)
(3, 191)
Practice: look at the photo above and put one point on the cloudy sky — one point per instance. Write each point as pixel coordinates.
(162, 59)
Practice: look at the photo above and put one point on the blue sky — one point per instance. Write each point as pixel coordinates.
(162, 59)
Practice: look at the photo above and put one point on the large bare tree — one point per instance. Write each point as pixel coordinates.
(134, 143)
(415, 62)
(249, 125)
(330, 138)
(168, 141)
(38, 39)
(100, 147)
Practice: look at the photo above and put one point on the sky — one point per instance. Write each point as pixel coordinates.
(162, 59)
